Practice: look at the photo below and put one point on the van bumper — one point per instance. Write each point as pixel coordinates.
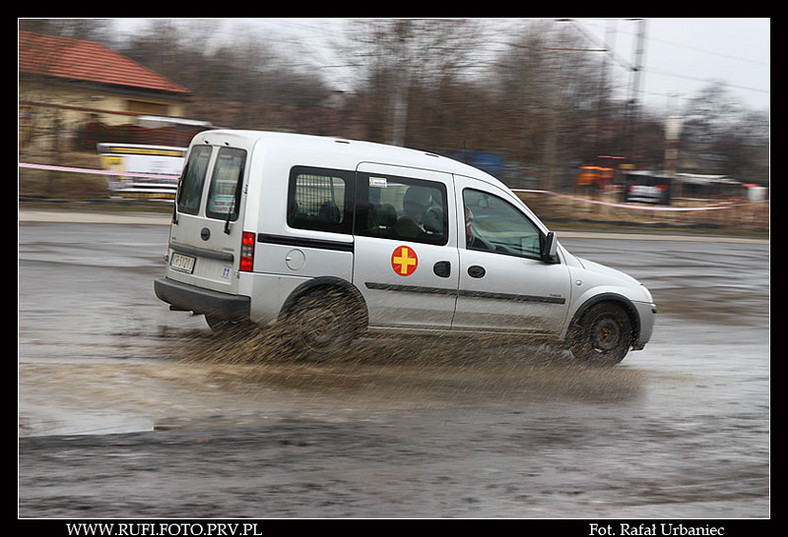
(647, 313)
(184, 297)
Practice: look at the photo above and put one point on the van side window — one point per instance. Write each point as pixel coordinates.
(320, 199)
(224, 194)
(193, 179)
(402, 208)
(492, 224)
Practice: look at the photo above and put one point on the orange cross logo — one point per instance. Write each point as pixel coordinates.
(404, 261)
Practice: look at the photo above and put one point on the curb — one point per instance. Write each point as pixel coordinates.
(78, 217)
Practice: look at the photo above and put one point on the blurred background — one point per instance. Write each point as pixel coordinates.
(641, 121)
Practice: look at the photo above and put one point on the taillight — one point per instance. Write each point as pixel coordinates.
(247, 251)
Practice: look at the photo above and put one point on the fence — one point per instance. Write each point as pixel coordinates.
(124, 184)
(737, 214)
(91, 134)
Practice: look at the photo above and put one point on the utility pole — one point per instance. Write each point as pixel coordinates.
(402, 56)
(637, 70)
(399, 107)
(602, 115)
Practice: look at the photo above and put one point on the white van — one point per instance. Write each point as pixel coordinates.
(332, 238)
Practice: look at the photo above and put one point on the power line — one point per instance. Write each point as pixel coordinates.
(710, 52)
(698, 79)
(648, 69)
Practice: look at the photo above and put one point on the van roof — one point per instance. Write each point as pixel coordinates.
(372, 151)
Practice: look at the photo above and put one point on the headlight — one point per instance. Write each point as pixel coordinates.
(649, 298)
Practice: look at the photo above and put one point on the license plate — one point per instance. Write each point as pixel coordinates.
(182, 263)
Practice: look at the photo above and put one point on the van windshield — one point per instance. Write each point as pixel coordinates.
(193, 179)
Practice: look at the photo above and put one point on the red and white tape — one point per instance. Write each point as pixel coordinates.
(625, 206)
(95, 172)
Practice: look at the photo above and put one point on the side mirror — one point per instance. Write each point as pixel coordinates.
(550, 248)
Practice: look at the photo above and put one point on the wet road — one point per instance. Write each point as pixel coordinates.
(129, 410)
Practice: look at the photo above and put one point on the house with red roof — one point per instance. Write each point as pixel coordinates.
(65, 83)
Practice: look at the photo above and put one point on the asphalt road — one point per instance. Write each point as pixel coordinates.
(127, 410)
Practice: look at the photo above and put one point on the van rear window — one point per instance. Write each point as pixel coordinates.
(320, 199)
(226, 180)
(193, 179)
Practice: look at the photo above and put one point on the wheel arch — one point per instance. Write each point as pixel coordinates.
(327, 284)
(614, 298)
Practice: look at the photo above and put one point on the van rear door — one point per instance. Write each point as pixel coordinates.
(205, 239)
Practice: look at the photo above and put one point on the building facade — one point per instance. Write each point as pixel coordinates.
(66, 83)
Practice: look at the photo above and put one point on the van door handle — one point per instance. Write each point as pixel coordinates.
(442, 269)
(475, 271)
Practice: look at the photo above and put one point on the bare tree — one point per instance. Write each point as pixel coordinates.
(100, 30)
(724, 136)
(237, 77)
(395, 56)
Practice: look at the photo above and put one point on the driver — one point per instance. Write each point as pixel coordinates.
(472, 240)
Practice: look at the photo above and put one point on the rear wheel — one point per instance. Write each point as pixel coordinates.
(602, 336)
(322, 323)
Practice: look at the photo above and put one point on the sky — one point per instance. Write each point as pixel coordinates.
(680, 56)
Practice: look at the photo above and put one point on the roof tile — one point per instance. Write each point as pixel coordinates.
(75, 59)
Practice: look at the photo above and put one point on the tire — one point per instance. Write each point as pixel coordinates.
(322, 323)
(602, 336)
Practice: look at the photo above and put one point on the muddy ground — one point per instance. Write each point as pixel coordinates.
(127, 410)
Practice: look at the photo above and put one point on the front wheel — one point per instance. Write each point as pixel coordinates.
(602, 336)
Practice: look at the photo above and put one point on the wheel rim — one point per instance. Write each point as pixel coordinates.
(605, 334)
(319, 328)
